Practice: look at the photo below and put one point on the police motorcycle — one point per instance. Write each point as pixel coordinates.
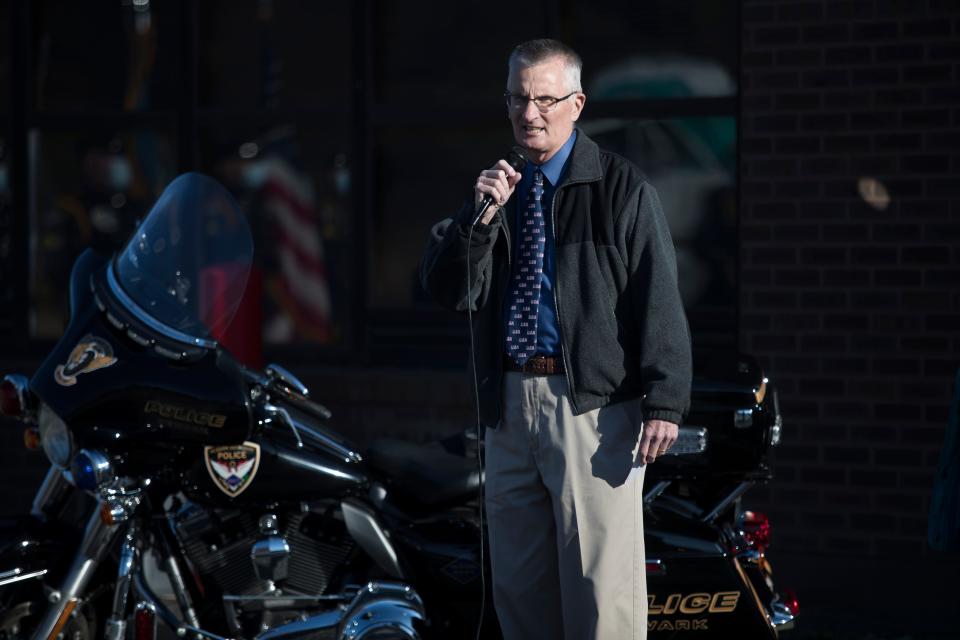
(708, 572)
(188, 490)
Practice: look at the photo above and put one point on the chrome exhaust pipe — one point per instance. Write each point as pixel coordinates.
(377, 607)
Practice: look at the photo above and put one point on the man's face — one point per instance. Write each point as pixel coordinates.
(542, 134)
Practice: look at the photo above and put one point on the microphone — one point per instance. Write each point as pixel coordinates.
(515, 160)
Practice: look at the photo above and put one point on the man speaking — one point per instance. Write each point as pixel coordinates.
(582, 352)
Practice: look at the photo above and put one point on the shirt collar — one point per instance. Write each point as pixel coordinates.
(553, 168)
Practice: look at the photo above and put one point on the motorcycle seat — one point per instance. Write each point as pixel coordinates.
(425, 474)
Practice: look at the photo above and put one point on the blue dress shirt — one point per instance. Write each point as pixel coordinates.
(548, 330)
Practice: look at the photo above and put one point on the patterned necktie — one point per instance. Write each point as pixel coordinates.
(525, 286)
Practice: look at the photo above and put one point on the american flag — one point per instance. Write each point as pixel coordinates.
(299, 287)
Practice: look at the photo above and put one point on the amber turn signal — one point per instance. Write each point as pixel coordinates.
(31, 438)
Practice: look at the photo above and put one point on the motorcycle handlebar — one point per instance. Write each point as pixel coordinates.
(286, 392)
(306, 405)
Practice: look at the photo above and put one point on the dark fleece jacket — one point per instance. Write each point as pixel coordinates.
(622, 325)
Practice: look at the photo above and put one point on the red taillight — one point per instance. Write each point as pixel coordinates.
(755, 528)
(145, 622)
(789, 599)
(10, 400)
(656, 568)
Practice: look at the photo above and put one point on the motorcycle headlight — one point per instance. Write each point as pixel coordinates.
(91, 470)
(55, 437)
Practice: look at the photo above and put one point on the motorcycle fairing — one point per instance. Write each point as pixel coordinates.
(139, 379)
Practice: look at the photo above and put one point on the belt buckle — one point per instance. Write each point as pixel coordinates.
(535, 365)
(543, 365)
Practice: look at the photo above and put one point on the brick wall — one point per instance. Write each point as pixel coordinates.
(854, 309)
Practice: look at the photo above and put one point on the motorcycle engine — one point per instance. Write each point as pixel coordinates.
(219, 544)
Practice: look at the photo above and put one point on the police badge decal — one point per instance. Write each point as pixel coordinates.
(90, 354)
(232, 467)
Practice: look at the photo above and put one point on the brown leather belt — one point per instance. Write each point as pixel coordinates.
(537, 365)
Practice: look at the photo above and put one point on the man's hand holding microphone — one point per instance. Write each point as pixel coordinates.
(495, 186)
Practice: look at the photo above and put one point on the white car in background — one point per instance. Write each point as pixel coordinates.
(690, 161)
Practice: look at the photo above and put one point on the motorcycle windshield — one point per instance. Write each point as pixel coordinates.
(185, 269)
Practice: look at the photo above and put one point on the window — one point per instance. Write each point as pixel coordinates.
(103, 57)
(91, 189)
(295, 184)
(345, 130)
(287, 54)
(660, 80)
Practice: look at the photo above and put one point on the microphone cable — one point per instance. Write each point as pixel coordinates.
(480, 436)
(517, 160)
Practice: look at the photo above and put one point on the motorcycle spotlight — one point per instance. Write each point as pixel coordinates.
(91, 470)
(55, 438)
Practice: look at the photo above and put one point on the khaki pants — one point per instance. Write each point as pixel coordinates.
(564, 505)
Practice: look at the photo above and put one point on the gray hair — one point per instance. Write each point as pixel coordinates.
(533, 52)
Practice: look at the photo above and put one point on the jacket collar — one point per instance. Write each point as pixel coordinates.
(584, 161)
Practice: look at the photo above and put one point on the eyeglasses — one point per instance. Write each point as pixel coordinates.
(545, 104)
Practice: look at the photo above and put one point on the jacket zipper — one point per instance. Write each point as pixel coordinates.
(504, 224)
(556, 292)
